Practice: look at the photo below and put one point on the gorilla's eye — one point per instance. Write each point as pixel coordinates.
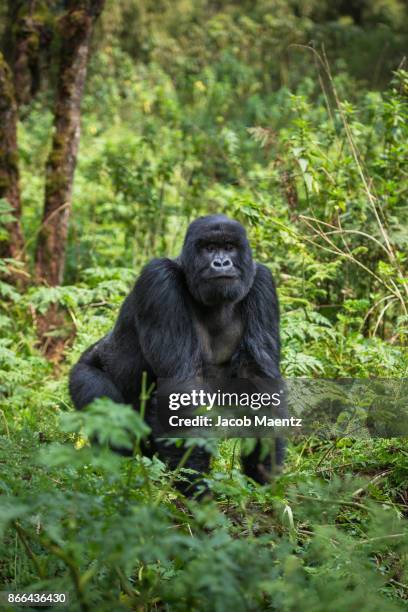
(229, 246)
(210, 248)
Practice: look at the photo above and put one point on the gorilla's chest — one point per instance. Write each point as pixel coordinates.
(219, 338)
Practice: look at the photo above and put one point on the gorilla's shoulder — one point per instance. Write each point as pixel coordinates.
(161, 285)
(262, 295)
(161, 264)
(157, 294)
(263, 275)
(160, 275)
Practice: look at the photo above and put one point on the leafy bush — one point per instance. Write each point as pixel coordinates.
(109, 530)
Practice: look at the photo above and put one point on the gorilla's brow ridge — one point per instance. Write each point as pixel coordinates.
(219, 238)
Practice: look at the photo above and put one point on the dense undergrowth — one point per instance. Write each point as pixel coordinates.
(198, 115)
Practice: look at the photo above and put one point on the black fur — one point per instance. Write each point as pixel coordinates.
(212, 310)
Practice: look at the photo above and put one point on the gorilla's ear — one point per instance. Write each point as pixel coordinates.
(261, 312)
(164, 321)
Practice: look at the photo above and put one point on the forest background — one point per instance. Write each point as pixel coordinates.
(120, 122)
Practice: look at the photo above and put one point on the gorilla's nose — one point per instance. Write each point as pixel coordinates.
(221, 264)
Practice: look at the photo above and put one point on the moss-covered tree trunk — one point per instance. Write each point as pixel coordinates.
(9, 174)
(24, 36)
(76, 30)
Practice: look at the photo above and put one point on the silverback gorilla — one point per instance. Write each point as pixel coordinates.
(212, 312)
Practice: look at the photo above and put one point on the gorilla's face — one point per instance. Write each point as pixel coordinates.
(217, 260)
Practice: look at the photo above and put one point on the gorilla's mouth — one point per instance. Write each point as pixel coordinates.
(223, 277)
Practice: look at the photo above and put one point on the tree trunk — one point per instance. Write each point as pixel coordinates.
(9, 174)
(24, 49)
(76, 30)
(26, 45)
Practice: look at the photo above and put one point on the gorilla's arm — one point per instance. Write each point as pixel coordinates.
(261, 310)
(87, 380)
(261, 345)
(154, 332)
(164, 320)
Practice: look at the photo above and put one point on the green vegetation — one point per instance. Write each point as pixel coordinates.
(293, 118)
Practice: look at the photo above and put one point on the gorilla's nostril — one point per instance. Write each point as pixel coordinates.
(221, 263)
